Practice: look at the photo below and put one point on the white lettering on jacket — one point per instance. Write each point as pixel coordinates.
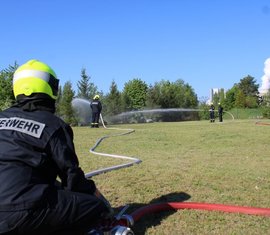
(26, 126)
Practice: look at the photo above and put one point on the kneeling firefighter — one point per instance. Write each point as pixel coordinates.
(36, 148)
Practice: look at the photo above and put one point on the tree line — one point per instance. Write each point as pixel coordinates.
(137, 95)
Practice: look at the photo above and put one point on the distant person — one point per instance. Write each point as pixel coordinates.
(37, 148)
(212, 112)
(220, 112)
(96, 108)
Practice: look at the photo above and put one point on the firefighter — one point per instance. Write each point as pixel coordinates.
(36, 148)
(212, 112)
(96, 108)
(220, 112)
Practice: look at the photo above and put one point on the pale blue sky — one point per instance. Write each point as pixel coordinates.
(206, 43)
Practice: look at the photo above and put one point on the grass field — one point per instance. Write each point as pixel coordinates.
(227, 163)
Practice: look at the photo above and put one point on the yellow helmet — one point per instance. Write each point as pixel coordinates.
(96, 97)
(35, 77)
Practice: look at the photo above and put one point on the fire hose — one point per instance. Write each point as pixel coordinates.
(136, 215)
(104, 170)
(121, 223)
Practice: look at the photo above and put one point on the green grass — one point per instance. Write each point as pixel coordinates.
(225, 163)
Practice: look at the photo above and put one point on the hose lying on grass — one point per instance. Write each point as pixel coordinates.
(104, 170)
(154, 208)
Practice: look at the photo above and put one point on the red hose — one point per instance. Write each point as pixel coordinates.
(136, 215)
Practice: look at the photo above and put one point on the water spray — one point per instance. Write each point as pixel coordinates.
(141, 115)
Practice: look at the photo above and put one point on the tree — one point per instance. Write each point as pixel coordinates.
(240, 99)
(165, 97)
(152, 97)
(250, 90)
(248, 86)
(65, 104)
(166, 94)
(204, 110)
(86, 89)
(57, 102)
(134, 94)
(229, 101)
(112, 101)
(6, 91)
(242, 95)
(190, 97)
(252, 102)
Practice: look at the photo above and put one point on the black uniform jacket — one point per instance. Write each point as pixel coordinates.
(35, 148)
(96, 106)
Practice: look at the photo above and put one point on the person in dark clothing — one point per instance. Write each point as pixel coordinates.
(220, 112)
(36, 148)
(212, 112)
(96, 108)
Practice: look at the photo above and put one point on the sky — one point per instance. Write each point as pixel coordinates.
(206, 43)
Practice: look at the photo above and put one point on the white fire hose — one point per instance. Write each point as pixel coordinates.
(116, 167)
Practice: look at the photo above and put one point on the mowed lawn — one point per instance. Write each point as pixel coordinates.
(225, 163)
